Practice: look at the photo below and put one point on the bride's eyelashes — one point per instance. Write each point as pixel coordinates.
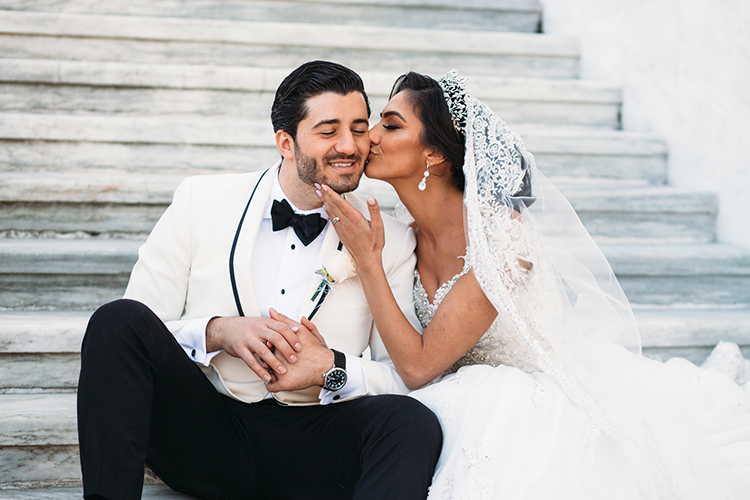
(390, 127)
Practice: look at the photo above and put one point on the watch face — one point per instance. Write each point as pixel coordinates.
(335, 379)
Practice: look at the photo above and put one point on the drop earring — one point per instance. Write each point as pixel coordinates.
(423, 183)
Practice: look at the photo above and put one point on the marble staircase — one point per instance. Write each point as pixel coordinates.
(106, 106)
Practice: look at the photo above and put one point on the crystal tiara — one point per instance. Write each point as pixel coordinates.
(454, 92)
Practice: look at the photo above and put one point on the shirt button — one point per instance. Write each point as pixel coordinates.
(193, 353)
(294, 246)
(283, 291)
(336, 397)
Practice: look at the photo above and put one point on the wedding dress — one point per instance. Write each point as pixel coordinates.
(511, 433)
(555, 400)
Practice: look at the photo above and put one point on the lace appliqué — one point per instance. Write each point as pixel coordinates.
(498, 346)
(445, 412)
(473, 480)
(541, 402)
(537, 310)
(422, 306)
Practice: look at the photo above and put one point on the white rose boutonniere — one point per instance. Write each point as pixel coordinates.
(339, 266)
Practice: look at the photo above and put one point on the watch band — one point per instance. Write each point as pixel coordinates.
(339, 359)
(335, 378)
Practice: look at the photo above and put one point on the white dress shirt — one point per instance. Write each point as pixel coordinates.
(281, 267)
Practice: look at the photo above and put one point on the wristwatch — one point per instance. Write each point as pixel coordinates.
(335, 378)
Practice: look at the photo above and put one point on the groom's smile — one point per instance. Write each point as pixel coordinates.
(332, 141)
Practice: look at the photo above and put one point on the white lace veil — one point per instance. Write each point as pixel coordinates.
(568, 308)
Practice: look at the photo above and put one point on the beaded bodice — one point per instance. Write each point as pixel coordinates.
(494, 348)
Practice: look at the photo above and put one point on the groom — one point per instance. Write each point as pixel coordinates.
(197, 375)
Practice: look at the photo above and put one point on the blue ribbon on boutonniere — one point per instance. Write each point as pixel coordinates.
(323, 289)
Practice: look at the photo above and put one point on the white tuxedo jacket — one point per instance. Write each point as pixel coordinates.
(183, 273)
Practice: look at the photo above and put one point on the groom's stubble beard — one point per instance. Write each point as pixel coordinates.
(310, 171)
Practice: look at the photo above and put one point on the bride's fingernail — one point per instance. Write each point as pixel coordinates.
(295, 328)
(319, 193)
(317, 185)
(325, 188)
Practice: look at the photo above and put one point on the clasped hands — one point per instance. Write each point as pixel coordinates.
(286, 354)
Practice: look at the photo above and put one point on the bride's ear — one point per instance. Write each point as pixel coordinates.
(435, 158)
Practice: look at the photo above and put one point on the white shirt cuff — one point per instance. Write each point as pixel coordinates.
(355, 383)
(192, 338)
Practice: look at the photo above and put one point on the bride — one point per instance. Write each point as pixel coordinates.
(530, 354)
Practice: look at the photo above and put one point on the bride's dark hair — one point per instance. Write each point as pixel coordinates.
(438, 131)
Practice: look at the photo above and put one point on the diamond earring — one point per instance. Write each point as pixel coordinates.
(423, 183)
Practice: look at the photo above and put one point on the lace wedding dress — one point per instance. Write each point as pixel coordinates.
(555, 400)
(510, 431)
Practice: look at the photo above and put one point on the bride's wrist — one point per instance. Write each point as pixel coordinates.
(370, 266)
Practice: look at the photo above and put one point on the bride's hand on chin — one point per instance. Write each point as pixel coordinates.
(364, 239)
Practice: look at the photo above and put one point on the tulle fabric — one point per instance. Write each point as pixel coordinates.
(513, 435)
(616, 425)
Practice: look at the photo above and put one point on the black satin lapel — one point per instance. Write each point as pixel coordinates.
(234, 248)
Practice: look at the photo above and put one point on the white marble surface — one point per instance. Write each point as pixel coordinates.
(260, 79)
(519, 15)
(219, 42)
(29, 420)
(287, 34)
(192, 159)
(42, 331)
(233, 131)
(665, 327)
(85, 87)
(150, 492)
(32, 371)
(685, 70)
(31, 464)
(61, 200)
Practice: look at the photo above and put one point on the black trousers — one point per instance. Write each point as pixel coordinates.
(142, 400)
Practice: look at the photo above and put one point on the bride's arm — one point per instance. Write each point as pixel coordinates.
(462, 318)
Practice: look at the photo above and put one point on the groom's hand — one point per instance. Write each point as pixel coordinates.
(314, 360)
(246, 337)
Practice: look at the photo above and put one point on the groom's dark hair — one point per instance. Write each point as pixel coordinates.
(309, 80)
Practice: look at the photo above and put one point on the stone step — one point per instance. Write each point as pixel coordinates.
(40, 350)
(69, 202)
(682, 275)
(38, 438)
(505, 15)
(41, 35)
(85, 273)
(83, 87)
(187, 145)
(39, 447)
(150, 492)
(64, 274)
(692, 333)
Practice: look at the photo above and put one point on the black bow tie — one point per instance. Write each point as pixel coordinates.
(307, 227)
